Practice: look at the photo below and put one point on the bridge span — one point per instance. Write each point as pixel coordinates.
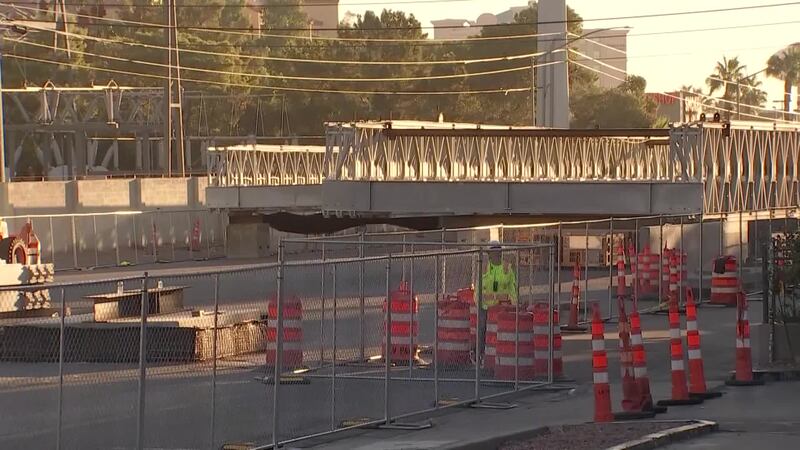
(430, 174)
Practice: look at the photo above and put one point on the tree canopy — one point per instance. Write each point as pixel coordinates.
(246, 81)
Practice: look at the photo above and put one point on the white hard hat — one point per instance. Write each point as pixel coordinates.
(494, 245)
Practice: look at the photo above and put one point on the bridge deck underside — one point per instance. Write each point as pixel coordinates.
(437, 199)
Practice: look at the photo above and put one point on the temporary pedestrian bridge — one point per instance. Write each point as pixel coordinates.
(396, 169)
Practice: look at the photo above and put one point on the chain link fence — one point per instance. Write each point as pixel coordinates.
(372, 330)
(92, 240)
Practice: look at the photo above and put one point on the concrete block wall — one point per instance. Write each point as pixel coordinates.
(85, 196)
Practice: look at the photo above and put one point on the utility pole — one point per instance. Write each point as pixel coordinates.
(533, 91)
(173, 95)
(2, 124)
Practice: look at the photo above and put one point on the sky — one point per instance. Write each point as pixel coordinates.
(667, 62)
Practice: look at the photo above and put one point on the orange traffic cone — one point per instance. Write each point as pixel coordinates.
(640, 363)
(697, 381)
(574, 307)
(602, 390)
(680, 393)
(631, 399)
(744, 361)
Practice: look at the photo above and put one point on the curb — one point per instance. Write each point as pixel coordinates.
(497, 441)
(655, 440)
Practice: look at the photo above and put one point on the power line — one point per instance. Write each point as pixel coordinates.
(228, 5)
(424, 42)
(294, 60)
(274, 88)
(251, 32)
(296, 78)
(515, 24)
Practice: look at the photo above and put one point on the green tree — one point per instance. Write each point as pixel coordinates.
(785, 65)
(511, 108)
(626, 106)
(725, 76)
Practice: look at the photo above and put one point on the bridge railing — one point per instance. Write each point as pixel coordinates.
(378, 152)
(265, 165)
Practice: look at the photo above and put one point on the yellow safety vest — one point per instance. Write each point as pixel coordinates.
(498, 280)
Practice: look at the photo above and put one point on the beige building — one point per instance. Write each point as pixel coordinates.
(601, 49)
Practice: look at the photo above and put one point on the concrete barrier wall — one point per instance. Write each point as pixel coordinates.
(85, 196)
(171, 207)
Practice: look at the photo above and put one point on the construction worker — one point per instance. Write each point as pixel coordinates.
(499, 286)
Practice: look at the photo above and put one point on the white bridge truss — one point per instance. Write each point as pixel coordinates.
(265, 165)
(744, 165)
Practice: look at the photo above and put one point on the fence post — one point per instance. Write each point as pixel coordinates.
(437, 292)
(145, 303)
(636, 274)
(96, 242)
(154, 236)
(189, 234)
(478, 334)
(700, 264)
(333, 357)
(172, 234)
(610, 265)
(74, 244)
(61, 353)
(551, 293)
(52, 243)
(278, 349)
(741, 255)
(322, 312)
(411, 333)
(586, 276)
(516, 325)
(559, 256)
(361, 313)
(661, 257)
(681, 265)
(387, 357)
(116, 238)
(214, 361)
(135, 239)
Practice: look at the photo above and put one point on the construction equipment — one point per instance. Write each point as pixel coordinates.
(21, 265)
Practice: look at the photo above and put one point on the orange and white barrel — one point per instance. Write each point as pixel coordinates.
(541, 337)
(292, 350)
(404, 326)
(453, 334)
(467, 297)
(492, 319)
(515, 346)
(724, 281)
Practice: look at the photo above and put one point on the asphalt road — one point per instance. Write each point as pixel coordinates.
(99, 408)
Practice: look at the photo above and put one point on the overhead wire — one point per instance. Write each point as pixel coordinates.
(286, 59)
(273, 88)
(410, 41)
(250, 32)
(546, 22)
(293, 77)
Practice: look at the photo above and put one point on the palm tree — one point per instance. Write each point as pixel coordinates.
(785, 65)
(725, 76)
(752, 95)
